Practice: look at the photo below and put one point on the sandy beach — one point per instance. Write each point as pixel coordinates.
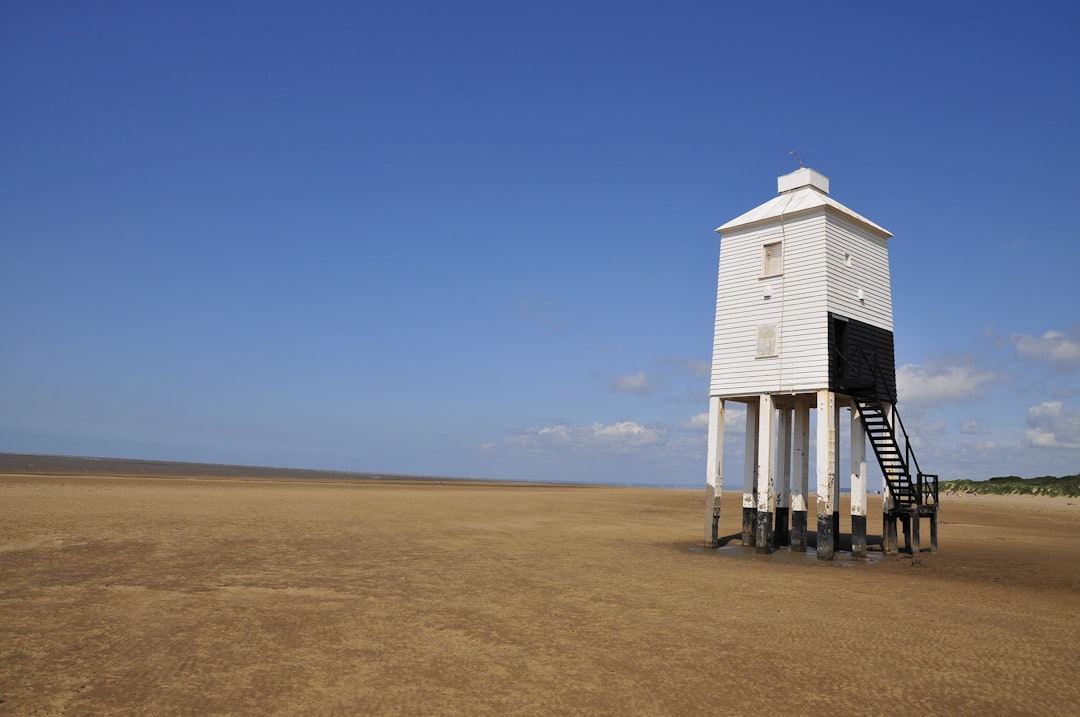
(202, 595)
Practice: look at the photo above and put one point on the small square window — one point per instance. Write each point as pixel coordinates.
(772, 259)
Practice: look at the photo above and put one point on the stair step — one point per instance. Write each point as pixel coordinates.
(905, 491)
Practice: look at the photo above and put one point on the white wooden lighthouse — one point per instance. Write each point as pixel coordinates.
(804, 322)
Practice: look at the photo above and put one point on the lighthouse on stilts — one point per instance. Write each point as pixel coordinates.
(804, 324)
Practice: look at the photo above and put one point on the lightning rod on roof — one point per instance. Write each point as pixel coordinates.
(797, 158)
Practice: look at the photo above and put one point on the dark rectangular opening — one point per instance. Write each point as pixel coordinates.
(861, 359)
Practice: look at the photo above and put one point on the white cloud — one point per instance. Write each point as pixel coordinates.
(973, 428)
(697, 423)
(637, 383)
(1053, 347)
(619, 437)
(919, 384)
(1051, 425)
(735, 417)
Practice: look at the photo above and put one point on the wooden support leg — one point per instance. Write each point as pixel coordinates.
(749, 512)
(766, 488)
(712, 517)
(800, 479)
(781, 533)
(826, 474)
(858, 536)
(933, 532)
(748, 517)
(714, 477)
(764, 541)
(889, 538)
(836, 473)
(858, 486)
(825, 539)
(798, 531)
(916, 519)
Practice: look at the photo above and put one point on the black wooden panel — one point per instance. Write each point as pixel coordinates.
(861, 359)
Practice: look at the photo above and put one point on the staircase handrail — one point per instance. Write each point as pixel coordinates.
(927, 483)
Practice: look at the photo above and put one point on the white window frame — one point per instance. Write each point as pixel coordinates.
(771, 264)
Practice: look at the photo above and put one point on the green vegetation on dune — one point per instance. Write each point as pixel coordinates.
(1014, 485)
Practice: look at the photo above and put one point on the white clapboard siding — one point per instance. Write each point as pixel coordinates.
(834, 260)
(796, 305)
(867, 270)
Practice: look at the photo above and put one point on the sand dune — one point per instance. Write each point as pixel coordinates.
(141, 595)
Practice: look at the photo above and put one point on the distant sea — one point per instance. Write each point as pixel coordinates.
(84, 465)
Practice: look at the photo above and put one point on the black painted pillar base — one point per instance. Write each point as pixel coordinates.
(712, 517)
(781, 534)
(764, 531)
(748, 515)
(798, 531)
(858, 536)
(826, 544)
(889, 542)
(836, 527)
(712, 533)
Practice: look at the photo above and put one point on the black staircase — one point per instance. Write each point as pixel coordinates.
(896, 462)
(914, 494)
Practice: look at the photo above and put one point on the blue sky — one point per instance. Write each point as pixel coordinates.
(476, 239)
